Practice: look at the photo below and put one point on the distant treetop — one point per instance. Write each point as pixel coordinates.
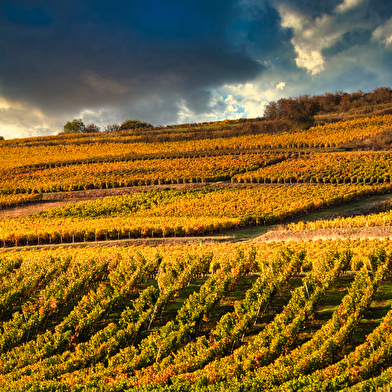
(300, 111)
(111, 127)
(132, 124)
(77, 126)
(74, 126)
(91, 128)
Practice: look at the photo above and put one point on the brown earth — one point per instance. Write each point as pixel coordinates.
(326, 234)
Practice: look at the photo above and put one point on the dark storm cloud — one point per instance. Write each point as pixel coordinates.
(262, 28)
(313, 8)
(350, 39)
(26, 16)
(67, 56)
(165, 60)
(379, 8)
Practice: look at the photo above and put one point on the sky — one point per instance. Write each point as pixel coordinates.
(175, 61)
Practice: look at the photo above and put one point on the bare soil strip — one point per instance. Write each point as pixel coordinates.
(326, 234)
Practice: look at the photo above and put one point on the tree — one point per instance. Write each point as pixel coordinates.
(381, 95)
(132, 124)
(91, 128)
(112, 127)
(297, 111)
(1, 137)
(271, 110)
(76, 126)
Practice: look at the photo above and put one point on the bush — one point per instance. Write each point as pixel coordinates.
(112, 127)
(132, 124)
(91, 128)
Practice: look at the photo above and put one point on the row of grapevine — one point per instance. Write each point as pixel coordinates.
(359, 365)
(230, 329)
(88, 348)
(335, 168)
(127, 204)
(327, 342)
(278, 153)
(57, 231)
(194, 213)
(8, 201)
(321, 136)
(379, 383)
(211, 291)
(372, 220)
(124, 174)
(280, 334)
(60, 292)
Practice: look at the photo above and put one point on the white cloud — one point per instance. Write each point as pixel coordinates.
(311, 37)
(242, 100)
(383, 33)
(21, 120)
(19, 124)
(185, 115)
(235, 101)
(4, 104)
(347, 5)
(312, 60)
(18, 120)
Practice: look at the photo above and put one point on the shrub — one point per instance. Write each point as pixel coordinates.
(132, 124)
(112, 127)
(91, 128)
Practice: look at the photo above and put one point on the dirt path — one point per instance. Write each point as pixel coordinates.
(326, 234)
(35, 208)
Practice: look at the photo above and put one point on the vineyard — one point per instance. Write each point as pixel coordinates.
(208, 316)
(82, 308)
(334, 168)
(96, 147)
(176, 213)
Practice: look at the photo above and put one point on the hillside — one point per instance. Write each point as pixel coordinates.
(241, 255)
